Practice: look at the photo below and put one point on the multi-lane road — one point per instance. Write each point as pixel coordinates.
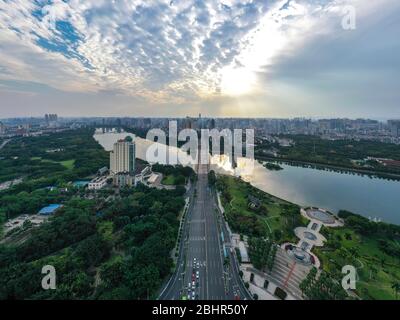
(206, 267)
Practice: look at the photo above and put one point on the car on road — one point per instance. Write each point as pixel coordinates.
(198, 265)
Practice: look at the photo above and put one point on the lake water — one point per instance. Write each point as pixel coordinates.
(370, 197)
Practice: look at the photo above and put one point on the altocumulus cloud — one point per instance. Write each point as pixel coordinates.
(175, 52)
(154, 49)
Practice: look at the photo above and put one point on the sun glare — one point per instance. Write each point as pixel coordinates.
(237, 81)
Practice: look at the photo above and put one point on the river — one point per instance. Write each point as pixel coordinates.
(370, 197)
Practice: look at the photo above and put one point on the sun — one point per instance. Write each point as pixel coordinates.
(237, 81)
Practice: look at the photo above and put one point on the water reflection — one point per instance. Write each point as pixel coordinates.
(373, 198)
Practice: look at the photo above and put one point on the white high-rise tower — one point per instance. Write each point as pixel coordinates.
(122, 158)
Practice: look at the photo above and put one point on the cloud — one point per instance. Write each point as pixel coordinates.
(255, 54)
(157, 50)
(333, 71)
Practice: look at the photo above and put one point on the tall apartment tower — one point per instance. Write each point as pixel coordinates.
(122, 158)
(2, 128)
(394, 127)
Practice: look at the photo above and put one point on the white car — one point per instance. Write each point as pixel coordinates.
(194, 284)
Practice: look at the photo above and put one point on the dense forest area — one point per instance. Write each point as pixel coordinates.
(48, 160)
(109, 244)
(122, 253)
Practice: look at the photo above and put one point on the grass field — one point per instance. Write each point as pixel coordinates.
(168, 180)
(69, 164)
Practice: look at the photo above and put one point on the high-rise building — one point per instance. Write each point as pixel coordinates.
(122, 158)
(2, 128)
(394, 127)
(51, 120)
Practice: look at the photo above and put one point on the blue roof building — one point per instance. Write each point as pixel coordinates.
(50, 210)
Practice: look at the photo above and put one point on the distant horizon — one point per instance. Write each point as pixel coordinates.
(380, 119)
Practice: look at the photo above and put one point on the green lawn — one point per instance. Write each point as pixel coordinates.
(168, 180)
(69, 164)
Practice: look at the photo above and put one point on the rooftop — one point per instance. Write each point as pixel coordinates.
(50, 209)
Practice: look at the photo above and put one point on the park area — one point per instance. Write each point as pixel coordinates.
(378, 271)
(373, 248)
(253, 212)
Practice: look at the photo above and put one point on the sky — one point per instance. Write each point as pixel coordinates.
(227, 58)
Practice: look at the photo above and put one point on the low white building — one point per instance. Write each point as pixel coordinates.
(243, 252)
(98, 183)
(153, 178)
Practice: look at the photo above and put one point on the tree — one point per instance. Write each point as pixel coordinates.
(112, 272)
(321, 287)
(212, 178)
(396, 288)
(82, 285)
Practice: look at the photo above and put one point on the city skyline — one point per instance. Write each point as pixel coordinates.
(232, 58)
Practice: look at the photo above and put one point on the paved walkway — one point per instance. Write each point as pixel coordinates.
(310, 236)
(289, 269)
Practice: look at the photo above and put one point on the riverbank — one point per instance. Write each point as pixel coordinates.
(253, 212)
(339, 169)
